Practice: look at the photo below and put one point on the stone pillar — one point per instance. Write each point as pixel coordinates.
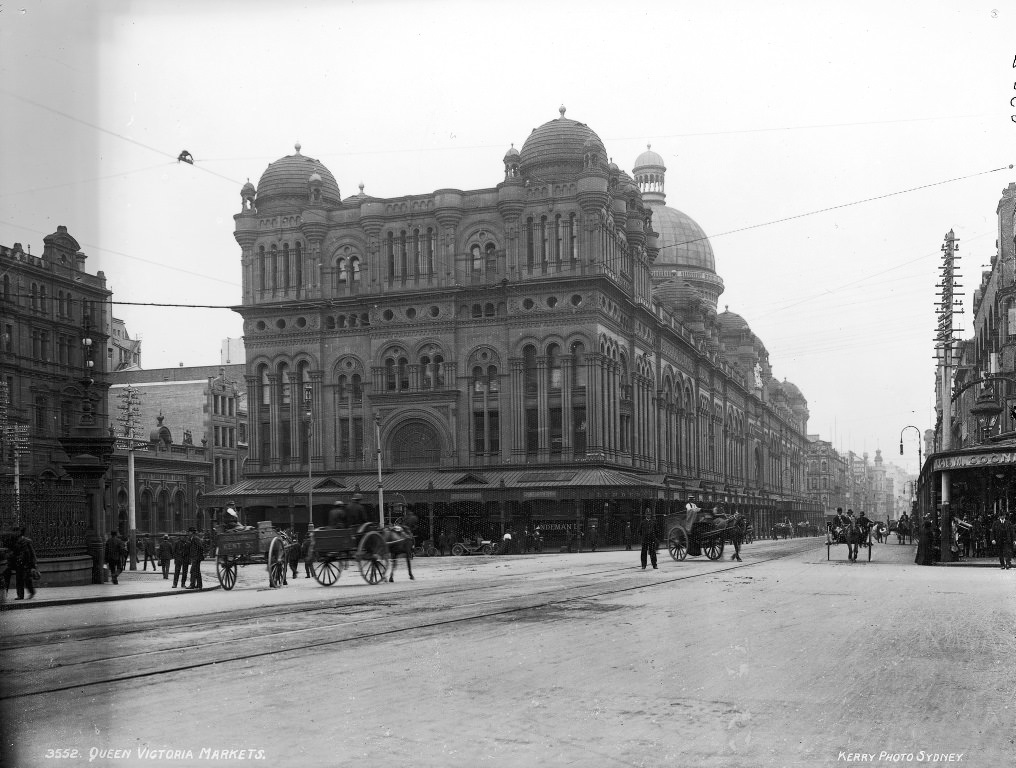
(567, 422)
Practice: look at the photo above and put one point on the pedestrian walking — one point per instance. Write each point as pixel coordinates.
(293, 555)
(114, 552)
(737, 535)
(627, 535)
(305, 555)
(181, 561)
(5, 569)
(25, 572)
(148, 547)
(1002, 537)
(594, 538)
(165, 554)
(444, 541)
(197, 554)
(647, 533)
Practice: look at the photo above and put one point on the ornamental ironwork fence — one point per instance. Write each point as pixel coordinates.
(54, 515)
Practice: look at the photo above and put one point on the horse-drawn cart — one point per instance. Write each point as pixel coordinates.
(332, 549)
(696, 534)
(263, 545)
(851, 535)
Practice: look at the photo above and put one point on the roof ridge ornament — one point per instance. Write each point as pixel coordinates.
(297, 147)
(562, 110)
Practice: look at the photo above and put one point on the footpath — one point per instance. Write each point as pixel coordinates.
(133, 585)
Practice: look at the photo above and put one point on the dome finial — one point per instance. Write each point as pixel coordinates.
(297, 147)
(562, 110)
(361, 187)
(648, 145)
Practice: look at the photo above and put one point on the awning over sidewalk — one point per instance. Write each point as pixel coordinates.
(487, 482)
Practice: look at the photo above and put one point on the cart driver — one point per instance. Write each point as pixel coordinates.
(337, 515)
(692, 510)
(231, 520)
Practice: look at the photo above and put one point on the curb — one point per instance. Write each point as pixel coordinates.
(10, 605)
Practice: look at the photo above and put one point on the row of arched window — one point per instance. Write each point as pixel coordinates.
(410, 253)
(280, 269)
(551, 241)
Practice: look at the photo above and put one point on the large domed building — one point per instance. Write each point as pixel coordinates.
(546, 351)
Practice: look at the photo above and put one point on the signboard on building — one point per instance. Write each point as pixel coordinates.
(1001, 458)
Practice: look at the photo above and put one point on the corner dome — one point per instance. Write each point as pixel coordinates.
(286, 181)
(792, 389)
(557, 147)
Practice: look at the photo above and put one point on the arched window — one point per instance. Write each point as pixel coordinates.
(544, 240)
(285, 391)
(285, 265)
(390, 254)
(35, 296)
(266, 387)
(554, 367)
(438, 371)
(391, 382)
(425, 378)
(262, 269)
(275, 267)
(573, 238)
(529, 369)
(530, 250)
(477, 259)
(403, 257)
(7, 288)
(403, 373)
(491, 254)
(558, 236)
(431, 237)
(299, 265)
(43, 300)
(342, 272)
(477, 310)
(417, 253)
(354, 264)
(479, 382)
(488, 309)
(578, 363)
(492, 379)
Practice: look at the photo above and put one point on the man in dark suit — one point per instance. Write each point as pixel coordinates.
(115, 550)
(23, 556)
(647, 532)
(1001, 537)
(181, 560)
(356, 515)
(197, 554)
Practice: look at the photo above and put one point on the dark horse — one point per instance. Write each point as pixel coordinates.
(400, 541)
(855, 537)
(902, 533)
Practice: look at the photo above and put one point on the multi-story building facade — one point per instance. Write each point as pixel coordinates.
(826, 476)
(122, 352)
(54, 322)
(546, 349)
(205, 406)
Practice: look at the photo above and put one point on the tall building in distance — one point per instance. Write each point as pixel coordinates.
(547, 350)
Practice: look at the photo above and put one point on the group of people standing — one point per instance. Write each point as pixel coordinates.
(186, 552)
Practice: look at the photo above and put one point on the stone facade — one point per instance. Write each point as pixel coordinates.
(541, 323)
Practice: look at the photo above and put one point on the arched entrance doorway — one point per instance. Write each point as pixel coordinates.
(414, 444)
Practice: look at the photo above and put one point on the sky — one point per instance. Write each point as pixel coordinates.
(826, 149)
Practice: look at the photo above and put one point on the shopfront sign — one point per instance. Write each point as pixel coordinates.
(466, 496)
(1002, 458)
(539, 494)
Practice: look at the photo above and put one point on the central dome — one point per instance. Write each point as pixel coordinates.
(287, 181)
(556, 147)
(683, 244)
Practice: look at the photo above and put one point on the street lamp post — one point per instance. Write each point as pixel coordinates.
(920, 462)
(380, 484)
(308, 397)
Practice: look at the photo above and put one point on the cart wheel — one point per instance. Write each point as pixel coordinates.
(714, 548)
(373, 557)
(326, 570)
(276, 557)
(429, 550)
(458, 550)
(225, 569)
(487, 549)
(677, 543)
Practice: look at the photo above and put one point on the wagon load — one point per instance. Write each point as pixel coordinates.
(697, 534)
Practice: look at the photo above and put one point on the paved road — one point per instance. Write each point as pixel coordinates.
(786, 659)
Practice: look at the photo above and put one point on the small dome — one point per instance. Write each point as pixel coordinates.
(286, 181)
(731, 321)
(315, 178)
(248, 189)
(792, 389)
(676, 294)
(557, 147)
(512, 152)
(649, 159)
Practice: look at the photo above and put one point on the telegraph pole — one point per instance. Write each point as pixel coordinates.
(947, 307)
(130, 412)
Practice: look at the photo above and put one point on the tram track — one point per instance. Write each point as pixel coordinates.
(297, 640)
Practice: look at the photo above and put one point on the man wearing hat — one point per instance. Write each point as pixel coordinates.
(337, 515)
(356, 515)
(165, 555)
(197, 554)
(114, 553)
